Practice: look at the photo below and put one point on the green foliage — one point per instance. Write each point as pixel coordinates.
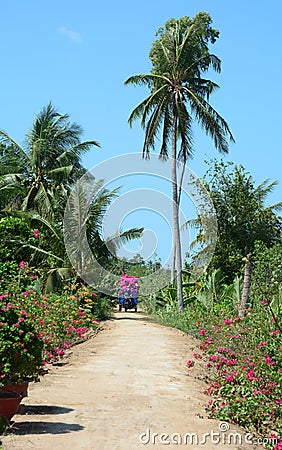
(8, 270)
(178, 92)
(267, 279)
(136, 266)
(197, 56)
(209, 292)
(41, 173)
(242, 215)
(14, 232)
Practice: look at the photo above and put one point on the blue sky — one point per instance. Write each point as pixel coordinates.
(78, 55)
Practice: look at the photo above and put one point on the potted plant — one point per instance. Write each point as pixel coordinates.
(21, 352)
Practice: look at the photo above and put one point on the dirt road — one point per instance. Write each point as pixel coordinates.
(127, 388)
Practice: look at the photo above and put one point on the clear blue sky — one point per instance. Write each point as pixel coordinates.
(78, 55)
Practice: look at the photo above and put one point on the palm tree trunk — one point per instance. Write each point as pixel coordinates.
(176, 230)
(246, 286)
(178, 202)
(172, 273)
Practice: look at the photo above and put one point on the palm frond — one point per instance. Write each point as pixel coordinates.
(6, 140)
(60, 173)
(153, 125)
(121, 237)
(211, 121)
(146, 106)
(143, 79)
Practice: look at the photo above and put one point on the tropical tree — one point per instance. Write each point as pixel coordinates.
(92, 254)
(179, 95)
(243, 216)
(39, 174)
(36, 181)
(83, 228)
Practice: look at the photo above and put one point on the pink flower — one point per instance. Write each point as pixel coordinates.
(23, 265)
(251, 375)
(274, 332)
(223, 349)
(190, 363)
(269, 361)
(213, 358)
(227, 321)
(262, 344)
(36, 233)
(202, 331)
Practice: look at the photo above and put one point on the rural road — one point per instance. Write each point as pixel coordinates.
(127, 388)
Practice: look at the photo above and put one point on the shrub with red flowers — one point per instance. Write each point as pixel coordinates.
(57, 320)
(60, 320)
(21, 348)
(244, 361)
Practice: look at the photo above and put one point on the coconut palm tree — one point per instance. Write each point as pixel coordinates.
(46, 165)
(82, 230)
(178, 95)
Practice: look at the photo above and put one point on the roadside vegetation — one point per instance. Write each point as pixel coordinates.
(234, 309)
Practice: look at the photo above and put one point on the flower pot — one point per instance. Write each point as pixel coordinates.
(9, 405)
(19, 388)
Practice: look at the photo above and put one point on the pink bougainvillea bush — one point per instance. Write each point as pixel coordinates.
(59, 320)
(243, 362)
(21, 348)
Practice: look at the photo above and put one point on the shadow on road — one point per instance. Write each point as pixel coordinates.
(132, 315)
(43, 409)
(20, 428)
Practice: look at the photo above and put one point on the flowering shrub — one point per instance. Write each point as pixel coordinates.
(243, 359)
(21, 349)
(57, 320)
(243, 364)
(129, 286)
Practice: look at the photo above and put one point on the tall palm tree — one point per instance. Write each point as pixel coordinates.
(178, 95)
(47, 164)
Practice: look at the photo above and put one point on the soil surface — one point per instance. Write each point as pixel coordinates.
(126, 388)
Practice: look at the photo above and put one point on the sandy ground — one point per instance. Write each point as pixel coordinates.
(127, 388)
